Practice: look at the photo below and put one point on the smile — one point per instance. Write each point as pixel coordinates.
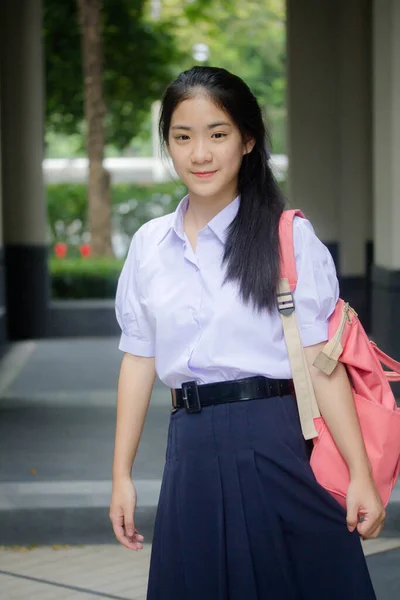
(204, 174)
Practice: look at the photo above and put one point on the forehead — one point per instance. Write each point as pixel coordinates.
(199, 111)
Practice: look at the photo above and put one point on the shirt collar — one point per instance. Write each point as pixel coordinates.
(176, 222)
(218, 224)
(224, 218)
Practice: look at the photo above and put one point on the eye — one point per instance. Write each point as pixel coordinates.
(182, 137)
(219, 135)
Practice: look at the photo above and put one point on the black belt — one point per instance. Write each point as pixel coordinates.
(193, 396)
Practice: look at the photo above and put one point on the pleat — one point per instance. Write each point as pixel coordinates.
(166, 568)
(189, 548)
(201, 528)
(240, 569)
(324, 562)
(271, 559)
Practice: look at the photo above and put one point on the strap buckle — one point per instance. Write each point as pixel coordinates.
(191, 398)
(285, 303)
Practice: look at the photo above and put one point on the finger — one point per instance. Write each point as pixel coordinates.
(352, 517)
(125, 531)
(370, 525)
(121, 537)
(371, 532)
(129, 527)
(120, 532)
(366, 528)
(135, 546)
(138, 536)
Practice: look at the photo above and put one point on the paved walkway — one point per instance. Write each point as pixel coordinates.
(110, 571)
(74, 573)
(57, 418)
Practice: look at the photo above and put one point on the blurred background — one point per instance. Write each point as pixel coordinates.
(81, 169)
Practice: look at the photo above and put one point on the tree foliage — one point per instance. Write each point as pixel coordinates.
(138, 58)
(244, 36)
(143, 55)
(247, 37)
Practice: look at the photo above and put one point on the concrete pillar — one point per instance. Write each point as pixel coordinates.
(312, 112)
(355, 152)
(386, 271)
(3, 312)
(27, 285)
(330, 132)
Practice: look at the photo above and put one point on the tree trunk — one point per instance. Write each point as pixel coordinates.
(99, 197)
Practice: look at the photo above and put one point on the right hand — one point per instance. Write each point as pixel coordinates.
(363, 500)
(122, 509)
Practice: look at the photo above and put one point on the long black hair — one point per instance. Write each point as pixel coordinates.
(252, 252)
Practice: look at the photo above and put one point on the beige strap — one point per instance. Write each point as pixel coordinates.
(305, 395)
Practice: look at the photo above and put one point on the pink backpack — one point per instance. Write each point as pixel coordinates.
(375, 403)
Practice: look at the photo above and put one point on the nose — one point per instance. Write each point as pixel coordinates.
(200, 153)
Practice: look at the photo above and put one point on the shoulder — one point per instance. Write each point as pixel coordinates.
(307, 244)
(151, 233)
(317, 287)
(302, 230)
(158, 227)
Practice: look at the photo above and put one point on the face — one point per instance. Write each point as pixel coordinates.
(206, 148)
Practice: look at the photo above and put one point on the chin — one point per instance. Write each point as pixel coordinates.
(206, 190)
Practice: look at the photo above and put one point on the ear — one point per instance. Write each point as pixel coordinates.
(248, 146)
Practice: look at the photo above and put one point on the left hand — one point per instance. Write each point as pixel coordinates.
(363, 501)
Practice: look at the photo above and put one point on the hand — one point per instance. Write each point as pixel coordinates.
(364, 502)
(122, 509)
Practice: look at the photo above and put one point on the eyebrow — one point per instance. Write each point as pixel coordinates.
(210, 126)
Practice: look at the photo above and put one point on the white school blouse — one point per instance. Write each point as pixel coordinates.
(171, 303)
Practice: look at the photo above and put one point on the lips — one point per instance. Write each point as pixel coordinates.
(204, 174)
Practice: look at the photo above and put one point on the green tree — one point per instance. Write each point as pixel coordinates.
(139, 55)
(99, 198)
(247, 37)
(104, 64)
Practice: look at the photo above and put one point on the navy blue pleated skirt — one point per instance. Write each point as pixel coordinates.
(241, 516)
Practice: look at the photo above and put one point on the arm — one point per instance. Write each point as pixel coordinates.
(336, 404)
(136, 380)
(340, 415)
(135, 385)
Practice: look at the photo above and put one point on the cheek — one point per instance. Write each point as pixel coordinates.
(177, 158)
(180, 169)
(233, 156)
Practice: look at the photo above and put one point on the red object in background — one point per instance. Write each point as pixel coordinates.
(60, 249)
(85, 250)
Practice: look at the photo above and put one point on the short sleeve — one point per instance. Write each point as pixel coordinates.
(317, 289)
(137, 336)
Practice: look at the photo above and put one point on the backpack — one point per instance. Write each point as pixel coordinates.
(348, 343)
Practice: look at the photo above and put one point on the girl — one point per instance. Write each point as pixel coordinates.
(240, 514)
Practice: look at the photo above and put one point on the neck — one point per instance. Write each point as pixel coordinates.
(202, 210)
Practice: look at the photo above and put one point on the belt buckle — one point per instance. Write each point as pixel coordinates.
(191, 398)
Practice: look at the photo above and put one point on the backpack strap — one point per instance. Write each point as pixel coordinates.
(387, 361)
(305, 395)
(288, 262)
